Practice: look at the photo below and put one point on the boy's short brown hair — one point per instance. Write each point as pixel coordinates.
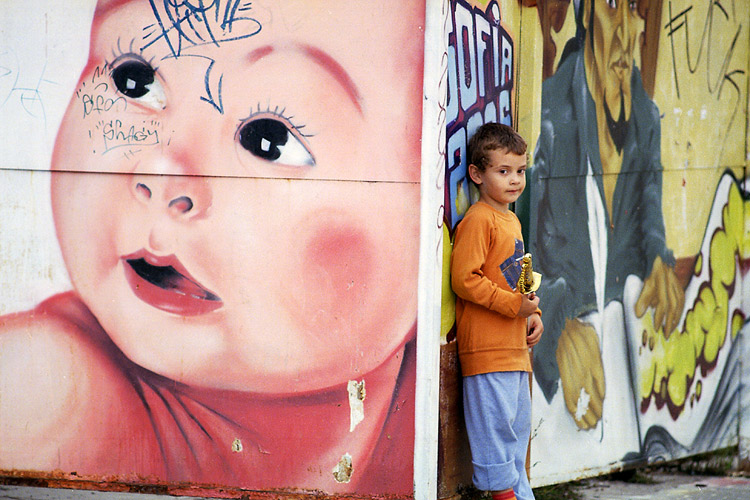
(492, 136)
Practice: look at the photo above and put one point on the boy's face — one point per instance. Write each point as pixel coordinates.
(503, 180)
(215, 222)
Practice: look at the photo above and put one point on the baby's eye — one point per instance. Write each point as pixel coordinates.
(274, 140)
(136, 79)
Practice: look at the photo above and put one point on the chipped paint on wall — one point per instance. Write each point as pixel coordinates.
(342, 473)
(237, 445)
(356, 392)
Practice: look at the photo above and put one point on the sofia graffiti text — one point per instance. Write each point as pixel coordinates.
(480, 82)
(481, 73)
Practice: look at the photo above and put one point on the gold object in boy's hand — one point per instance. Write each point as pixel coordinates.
(529, 280)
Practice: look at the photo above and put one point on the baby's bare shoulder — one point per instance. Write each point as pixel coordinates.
(49, 339)
(50, 368)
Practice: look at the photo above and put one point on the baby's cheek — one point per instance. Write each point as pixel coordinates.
(336, 273)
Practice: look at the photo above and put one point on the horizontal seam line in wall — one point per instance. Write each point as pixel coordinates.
(313, 179)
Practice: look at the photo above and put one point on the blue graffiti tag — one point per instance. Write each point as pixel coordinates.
(186, 24)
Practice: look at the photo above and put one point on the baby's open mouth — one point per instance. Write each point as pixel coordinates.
(162, 283)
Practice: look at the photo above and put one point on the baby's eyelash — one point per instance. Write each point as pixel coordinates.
(279, 113)
(118, 53)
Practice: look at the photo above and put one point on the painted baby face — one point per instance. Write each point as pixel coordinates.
(208, 196)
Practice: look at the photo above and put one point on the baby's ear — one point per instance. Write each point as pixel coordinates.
(474, 174)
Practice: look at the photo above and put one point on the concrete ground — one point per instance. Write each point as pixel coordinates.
(666, 486)
(657, 485)
(37, 493)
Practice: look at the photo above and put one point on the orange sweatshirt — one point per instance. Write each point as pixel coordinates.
(486, 252)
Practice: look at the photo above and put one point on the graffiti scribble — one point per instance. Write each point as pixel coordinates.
(29, 97)
(117, 135)
(680, 22)
(186, 24)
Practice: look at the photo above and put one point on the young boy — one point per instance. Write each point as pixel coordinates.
(496, 323)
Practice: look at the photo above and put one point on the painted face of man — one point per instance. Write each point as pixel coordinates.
(236, 187)
(612, 28)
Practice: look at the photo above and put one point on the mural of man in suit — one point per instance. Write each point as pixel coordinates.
(594, 207)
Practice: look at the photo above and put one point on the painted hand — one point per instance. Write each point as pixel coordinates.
(662, 291)
(581, 373)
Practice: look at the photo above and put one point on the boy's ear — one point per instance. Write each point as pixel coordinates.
(474, 174)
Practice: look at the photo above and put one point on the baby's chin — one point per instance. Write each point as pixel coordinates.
(201, 360)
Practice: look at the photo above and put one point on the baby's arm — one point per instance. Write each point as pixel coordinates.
(38, 380)
(55, 383)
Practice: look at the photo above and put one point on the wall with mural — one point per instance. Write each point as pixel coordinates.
(635, 212)
(483, 60)
(209, 236)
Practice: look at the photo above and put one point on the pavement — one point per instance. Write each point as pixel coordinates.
(43, 493)
(39, 493)
(658, 485)
(665, 486)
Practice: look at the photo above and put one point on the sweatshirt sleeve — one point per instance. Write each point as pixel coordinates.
(468, 280)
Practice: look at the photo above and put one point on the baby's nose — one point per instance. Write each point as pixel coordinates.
(181, 205)
(179, 196)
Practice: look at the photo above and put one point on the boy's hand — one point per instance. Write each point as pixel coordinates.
(535, 330)
(529, 305)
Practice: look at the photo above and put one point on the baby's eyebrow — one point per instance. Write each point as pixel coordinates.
(322, 59)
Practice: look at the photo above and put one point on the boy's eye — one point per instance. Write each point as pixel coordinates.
(271, 139)
(136, 79)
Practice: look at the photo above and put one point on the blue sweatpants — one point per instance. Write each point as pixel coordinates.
(497, 410)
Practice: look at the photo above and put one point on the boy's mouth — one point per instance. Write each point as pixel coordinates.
(163, 283)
